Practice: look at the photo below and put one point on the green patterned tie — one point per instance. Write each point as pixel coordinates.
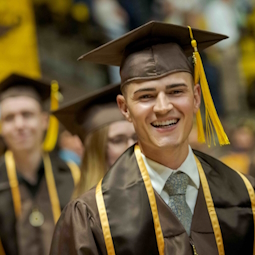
(176, 186)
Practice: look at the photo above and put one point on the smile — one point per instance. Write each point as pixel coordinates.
(166, 123)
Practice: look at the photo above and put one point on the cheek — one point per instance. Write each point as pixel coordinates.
(5, 132)
(112, 154)
(186, 105)
(7, 129)
(141, 112)
(35, 124)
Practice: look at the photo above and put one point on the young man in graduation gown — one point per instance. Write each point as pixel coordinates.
(161, 197)
(34, 185)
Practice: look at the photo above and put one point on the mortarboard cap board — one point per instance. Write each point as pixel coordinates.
(91, 111)
(15, 85)
(18, 84)
(157, 49)
(152, 50)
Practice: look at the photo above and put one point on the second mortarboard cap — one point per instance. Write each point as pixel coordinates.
(91, 112)
(16, 85)
(157, 49)
(22, 85)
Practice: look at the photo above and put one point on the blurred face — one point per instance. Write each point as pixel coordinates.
(243, 139)
(121, 135)
(23, 123)
(161, 110)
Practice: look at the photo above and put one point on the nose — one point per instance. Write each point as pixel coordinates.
(162, 104)
(19, 122)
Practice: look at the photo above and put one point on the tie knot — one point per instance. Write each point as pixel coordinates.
(177, 184)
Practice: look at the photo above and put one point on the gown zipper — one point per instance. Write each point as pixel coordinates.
(193, 246)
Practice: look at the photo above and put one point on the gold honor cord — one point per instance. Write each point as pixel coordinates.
(13, 181)
(152, 200)
(104, 220)
(55, 205)
(252, 198)
(75, 171)
(211, 209)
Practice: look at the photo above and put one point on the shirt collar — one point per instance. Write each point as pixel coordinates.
(159, 173)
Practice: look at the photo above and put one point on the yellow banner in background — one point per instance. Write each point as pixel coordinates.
(18, 46)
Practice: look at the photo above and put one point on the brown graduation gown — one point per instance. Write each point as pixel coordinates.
(79, 230)
(18, 236)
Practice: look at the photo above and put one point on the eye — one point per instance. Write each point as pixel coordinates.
(118, 139)
(8, 118)
(176, 92)
(27, 114)
(146, 96)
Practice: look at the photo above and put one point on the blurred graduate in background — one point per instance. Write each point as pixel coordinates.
(35, 185)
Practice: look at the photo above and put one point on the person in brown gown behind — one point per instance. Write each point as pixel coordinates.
(160, 197)
(34, 185)
(106, 134)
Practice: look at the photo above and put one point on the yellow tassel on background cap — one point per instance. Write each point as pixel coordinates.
(52, 132)
(211, 117)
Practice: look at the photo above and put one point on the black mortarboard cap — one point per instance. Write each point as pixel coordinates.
(20, 82)
(152, 50)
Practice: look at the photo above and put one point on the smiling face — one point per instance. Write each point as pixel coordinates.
(23, 123)
(161, 110)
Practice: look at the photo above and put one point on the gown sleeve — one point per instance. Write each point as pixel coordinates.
(76, 232)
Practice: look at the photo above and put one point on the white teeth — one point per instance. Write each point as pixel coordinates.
(164, 123)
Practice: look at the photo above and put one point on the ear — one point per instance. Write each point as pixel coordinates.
(122, 104)
(197, 97)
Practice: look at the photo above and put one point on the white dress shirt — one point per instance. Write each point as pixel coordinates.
(159, 175)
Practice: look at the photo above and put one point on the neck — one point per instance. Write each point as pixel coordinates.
(27, 163)
(169, 157)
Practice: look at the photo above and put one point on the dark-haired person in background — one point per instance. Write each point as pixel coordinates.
(34, 185)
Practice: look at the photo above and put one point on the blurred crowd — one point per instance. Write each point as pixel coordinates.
(50, 35)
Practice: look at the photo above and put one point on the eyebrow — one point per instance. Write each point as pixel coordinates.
(176, 85)
(144, 90)
(167, 87)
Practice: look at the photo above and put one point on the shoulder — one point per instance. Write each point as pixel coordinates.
(88, 201)
(79, 219)
(216, 168)
(81, 209)
(223, 179)
(213, 162)
(218, 165)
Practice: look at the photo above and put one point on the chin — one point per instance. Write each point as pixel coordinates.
(166, 143)
(22, 147)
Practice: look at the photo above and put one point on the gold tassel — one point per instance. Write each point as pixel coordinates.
(211, 117)
(200, 128)
(52, 132)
